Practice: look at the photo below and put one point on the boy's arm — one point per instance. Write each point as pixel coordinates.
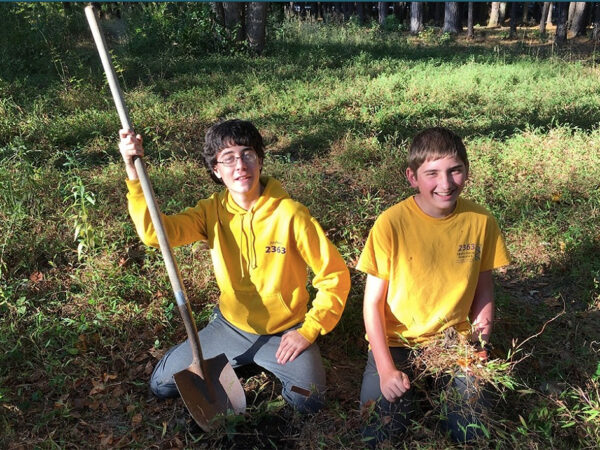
(332, 281)
(183, 228)
(393, 382)
(482, 309)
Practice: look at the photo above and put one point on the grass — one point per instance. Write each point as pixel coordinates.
(86, 310)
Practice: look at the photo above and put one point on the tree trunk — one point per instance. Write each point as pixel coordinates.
(232, 15)
(416, 17)
(451, 19)
(470, 31)
(596, 21)
(396, 11)
(562, 11)
(578, 19)
(438, 14)
(256, 19)
(544, 18)
(494, 15)
(348, 9)
(514, 9)
(382, 8)
(360, 10)
(525, 12)
(502, 13)
(570, 15)
(217, 9)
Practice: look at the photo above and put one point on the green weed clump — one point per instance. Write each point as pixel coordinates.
(86, 310)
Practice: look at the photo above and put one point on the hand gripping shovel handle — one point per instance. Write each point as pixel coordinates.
(165, 247)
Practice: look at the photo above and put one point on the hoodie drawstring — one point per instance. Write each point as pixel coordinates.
(250, 246)
(254, 263)
(242, 268)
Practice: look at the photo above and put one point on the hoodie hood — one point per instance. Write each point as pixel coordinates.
(270, 198)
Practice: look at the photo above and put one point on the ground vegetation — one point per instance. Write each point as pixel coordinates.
(86, 310)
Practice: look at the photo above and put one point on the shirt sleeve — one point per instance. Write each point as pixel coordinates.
(495, 254)
(181, 229)
(375, 257)
(332, 280)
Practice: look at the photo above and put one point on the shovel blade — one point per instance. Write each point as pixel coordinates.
(205, 401)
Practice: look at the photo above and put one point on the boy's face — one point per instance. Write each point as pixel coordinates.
(439, 182)
(239, 168)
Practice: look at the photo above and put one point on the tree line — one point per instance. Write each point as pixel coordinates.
(246, 22)
(248, 19)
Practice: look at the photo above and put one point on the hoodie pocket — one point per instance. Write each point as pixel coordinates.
(275, 302)
(252, 312)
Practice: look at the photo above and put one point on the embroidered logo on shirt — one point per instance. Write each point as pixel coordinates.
(468, 252)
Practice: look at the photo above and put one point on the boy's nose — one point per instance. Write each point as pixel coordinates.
(239, 162)
(447, 180)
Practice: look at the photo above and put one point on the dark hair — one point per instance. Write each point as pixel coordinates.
(228, 133)
(435, 143)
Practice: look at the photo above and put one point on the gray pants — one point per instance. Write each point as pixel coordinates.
(219, 336)
(461, 411)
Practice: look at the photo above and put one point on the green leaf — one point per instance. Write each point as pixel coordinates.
(522, 421)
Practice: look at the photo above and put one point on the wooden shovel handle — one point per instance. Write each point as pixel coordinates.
(165, 247)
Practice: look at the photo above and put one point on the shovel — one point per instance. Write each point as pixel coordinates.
(208, 387)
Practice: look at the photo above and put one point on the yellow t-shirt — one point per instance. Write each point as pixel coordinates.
(432, 266)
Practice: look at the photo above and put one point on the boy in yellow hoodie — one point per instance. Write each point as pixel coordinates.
(261, 242)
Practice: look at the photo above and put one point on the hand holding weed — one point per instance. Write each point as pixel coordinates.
(130, 146)
(393, 384)
(292, 344)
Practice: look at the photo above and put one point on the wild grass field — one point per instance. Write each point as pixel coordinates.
(86, 310)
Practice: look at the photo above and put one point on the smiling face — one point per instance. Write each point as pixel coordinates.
(242, 177)
(440, 182)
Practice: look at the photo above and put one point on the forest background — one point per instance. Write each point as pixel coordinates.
(86, 310)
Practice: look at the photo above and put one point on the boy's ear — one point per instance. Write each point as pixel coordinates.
(412, 177)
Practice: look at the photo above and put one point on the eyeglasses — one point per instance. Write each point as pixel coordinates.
(247, 156)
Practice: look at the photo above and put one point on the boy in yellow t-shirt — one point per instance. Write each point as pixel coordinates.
(429, 262)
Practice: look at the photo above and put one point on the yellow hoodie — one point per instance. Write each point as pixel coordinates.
(260, 258)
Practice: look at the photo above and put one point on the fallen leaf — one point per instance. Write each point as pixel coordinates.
(81, 343)
(156, 352)
(78, 403)
(136, 419)
(36, 276)
(118, 391)
(94, 405)
(108, 377)
(148, 368)
(98, 387)
(106, 439)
